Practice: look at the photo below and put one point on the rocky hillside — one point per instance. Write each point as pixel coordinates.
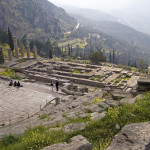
(37, 17)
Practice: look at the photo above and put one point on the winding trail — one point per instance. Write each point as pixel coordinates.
(77, 26)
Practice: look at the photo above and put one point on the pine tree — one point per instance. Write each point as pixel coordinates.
(69, 50)
(113, 56)
(11, 44)
(110, 56)
(49, 48)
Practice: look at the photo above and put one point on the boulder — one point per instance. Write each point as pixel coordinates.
(67, 98)
(74, 126)
(96, 116)
(84, 90)
(132, 137)
(120, 95)
(76, 143)
(143, 85)
(69, 92)
(94, 108)
(128, 101)
(112, 103)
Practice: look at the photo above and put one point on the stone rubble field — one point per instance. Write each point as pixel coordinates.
(20, 108)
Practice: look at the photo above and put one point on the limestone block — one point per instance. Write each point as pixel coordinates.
(22, 49)
(2, 57)
(28, 51)
(9, 55)
(134, 137)
(16, 47)
(35, 51)
(76, 143)
(96, 116)
(74, 126)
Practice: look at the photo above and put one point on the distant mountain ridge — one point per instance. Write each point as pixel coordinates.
(37, 17)
(92, 14)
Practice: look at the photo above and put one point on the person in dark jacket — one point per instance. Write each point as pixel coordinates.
(57, 85)
(11, 83)
(15, 83)
(18, 84)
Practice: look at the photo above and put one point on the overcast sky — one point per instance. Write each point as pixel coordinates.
(100, 4)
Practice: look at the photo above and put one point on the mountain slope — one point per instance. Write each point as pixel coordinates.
(38, 17)
(92, 14)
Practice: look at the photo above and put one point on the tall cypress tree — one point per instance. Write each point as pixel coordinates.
(11, 44)
(113, 56)
(69, 50)
(49, 48)
(110, 56)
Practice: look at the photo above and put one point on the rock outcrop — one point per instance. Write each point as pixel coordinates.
(132, 137)
(36, 16)
(76, 143)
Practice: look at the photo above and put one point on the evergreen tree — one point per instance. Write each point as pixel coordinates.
(69, 50)
(110, 57)
(135, 65)
(104, 53)
(97, 57)
(129, 64)
(11, 44)
(59, 51)
(113, 56)
(49, 48)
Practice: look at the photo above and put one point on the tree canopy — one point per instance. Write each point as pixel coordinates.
(97, 57)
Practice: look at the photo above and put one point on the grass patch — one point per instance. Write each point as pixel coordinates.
(127, 79)
(92, 78)
(97, 100)
(118, 80)
(22, 60)
(88, 111)
(76, 71)
(87, 104)
(97, 78)
(100, 133)
(44, 116)
(10, 73)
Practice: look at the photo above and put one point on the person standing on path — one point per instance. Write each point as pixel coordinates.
(52, 85)
(57, 85)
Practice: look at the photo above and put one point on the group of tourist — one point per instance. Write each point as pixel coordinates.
(15, 84)
(57, 85)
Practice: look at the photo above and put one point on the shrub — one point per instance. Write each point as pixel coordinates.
(10, 73)
(97, 100)
(10, 139)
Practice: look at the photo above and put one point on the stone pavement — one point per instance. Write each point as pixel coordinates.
(17, 104)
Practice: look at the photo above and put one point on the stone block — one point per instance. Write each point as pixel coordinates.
(74, 127)
(76, 143)
(96, 116)
(132, 137)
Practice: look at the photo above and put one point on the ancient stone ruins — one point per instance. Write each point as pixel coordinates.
(79, 85)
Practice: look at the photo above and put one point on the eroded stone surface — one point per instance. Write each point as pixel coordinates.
(76, 143)
(74, 126)
(132, 137)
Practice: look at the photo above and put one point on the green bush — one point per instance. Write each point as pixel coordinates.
(10, 73)
(76, 71)
(10, 139)
(22, 60)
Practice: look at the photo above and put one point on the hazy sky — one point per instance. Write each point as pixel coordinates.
(99, 4)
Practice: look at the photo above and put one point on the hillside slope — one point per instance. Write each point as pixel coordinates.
(38, 17)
